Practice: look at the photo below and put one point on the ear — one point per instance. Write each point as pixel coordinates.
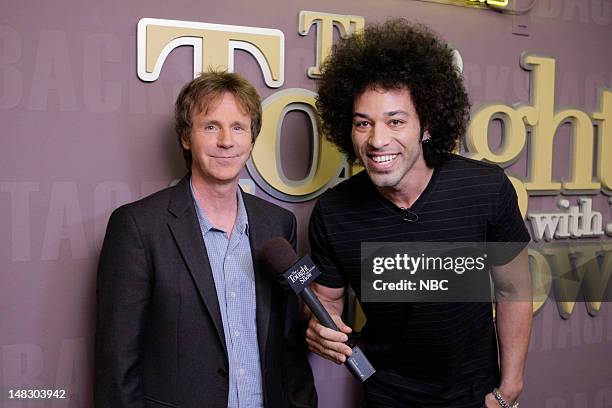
(186, 142)
(251, 146)
(426, 136)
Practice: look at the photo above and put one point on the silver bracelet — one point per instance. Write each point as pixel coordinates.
(501, 401)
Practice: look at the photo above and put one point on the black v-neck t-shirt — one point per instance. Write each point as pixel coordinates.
(426, 354)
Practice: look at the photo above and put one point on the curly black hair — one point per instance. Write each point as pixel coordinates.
(395, 55)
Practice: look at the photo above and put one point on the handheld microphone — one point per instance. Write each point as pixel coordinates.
(282, 262)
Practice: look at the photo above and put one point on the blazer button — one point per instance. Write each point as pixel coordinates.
(222, 372)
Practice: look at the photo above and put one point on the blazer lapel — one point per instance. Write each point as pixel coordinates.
(263, 288)
(185, 229)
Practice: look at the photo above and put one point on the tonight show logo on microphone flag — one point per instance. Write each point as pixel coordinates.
(302, 274)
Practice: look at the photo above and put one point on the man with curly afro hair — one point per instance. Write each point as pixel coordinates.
(392, 99)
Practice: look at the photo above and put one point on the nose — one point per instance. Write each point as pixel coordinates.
(225, 139)
(378, 137)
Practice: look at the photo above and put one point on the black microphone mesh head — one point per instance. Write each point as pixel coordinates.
(278, 256)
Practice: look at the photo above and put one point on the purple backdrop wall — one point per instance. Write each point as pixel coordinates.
(81, 134)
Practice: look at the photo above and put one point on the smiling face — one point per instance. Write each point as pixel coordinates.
(220, 141)
(386, 137)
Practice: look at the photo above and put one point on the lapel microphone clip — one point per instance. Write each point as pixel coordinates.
(409, 216)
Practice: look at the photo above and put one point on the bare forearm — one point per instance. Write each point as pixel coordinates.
(332, 300)
(513, 332)
(514, 311)
(335, 306)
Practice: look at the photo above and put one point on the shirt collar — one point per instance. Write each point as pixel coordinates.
(241, 225)
(242, 220)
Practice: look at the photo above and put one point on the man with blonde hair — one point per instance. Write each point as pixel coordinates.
(185, 315)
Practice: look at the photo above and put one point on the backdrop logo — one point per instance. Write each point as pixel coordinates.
(498, 3)
(325, 23)
(213, 47)
(529, 125)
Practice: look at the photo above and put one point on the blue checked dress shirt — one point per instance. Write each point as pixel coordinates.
(232, 269)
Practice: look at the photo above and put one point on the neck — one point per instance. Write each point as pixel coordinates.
(405, 194)
(218, 201)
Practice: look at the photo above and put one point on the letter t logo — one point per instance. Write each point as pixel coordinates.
(213, 47)
(325, 23)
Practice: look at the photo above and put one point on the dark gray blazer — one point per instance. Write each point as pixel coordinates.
(159, 335)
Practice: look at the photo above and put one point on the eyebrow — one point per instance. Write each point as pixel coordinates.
(390, 113)
(217, 123)
(361, 115)
(396, 112)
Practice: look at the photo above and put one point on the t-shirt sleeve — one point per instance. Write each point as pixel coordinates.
(321, 251)
(507, 224)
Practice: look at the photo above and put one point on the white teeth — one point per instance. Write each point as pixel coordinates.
(384, 159)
